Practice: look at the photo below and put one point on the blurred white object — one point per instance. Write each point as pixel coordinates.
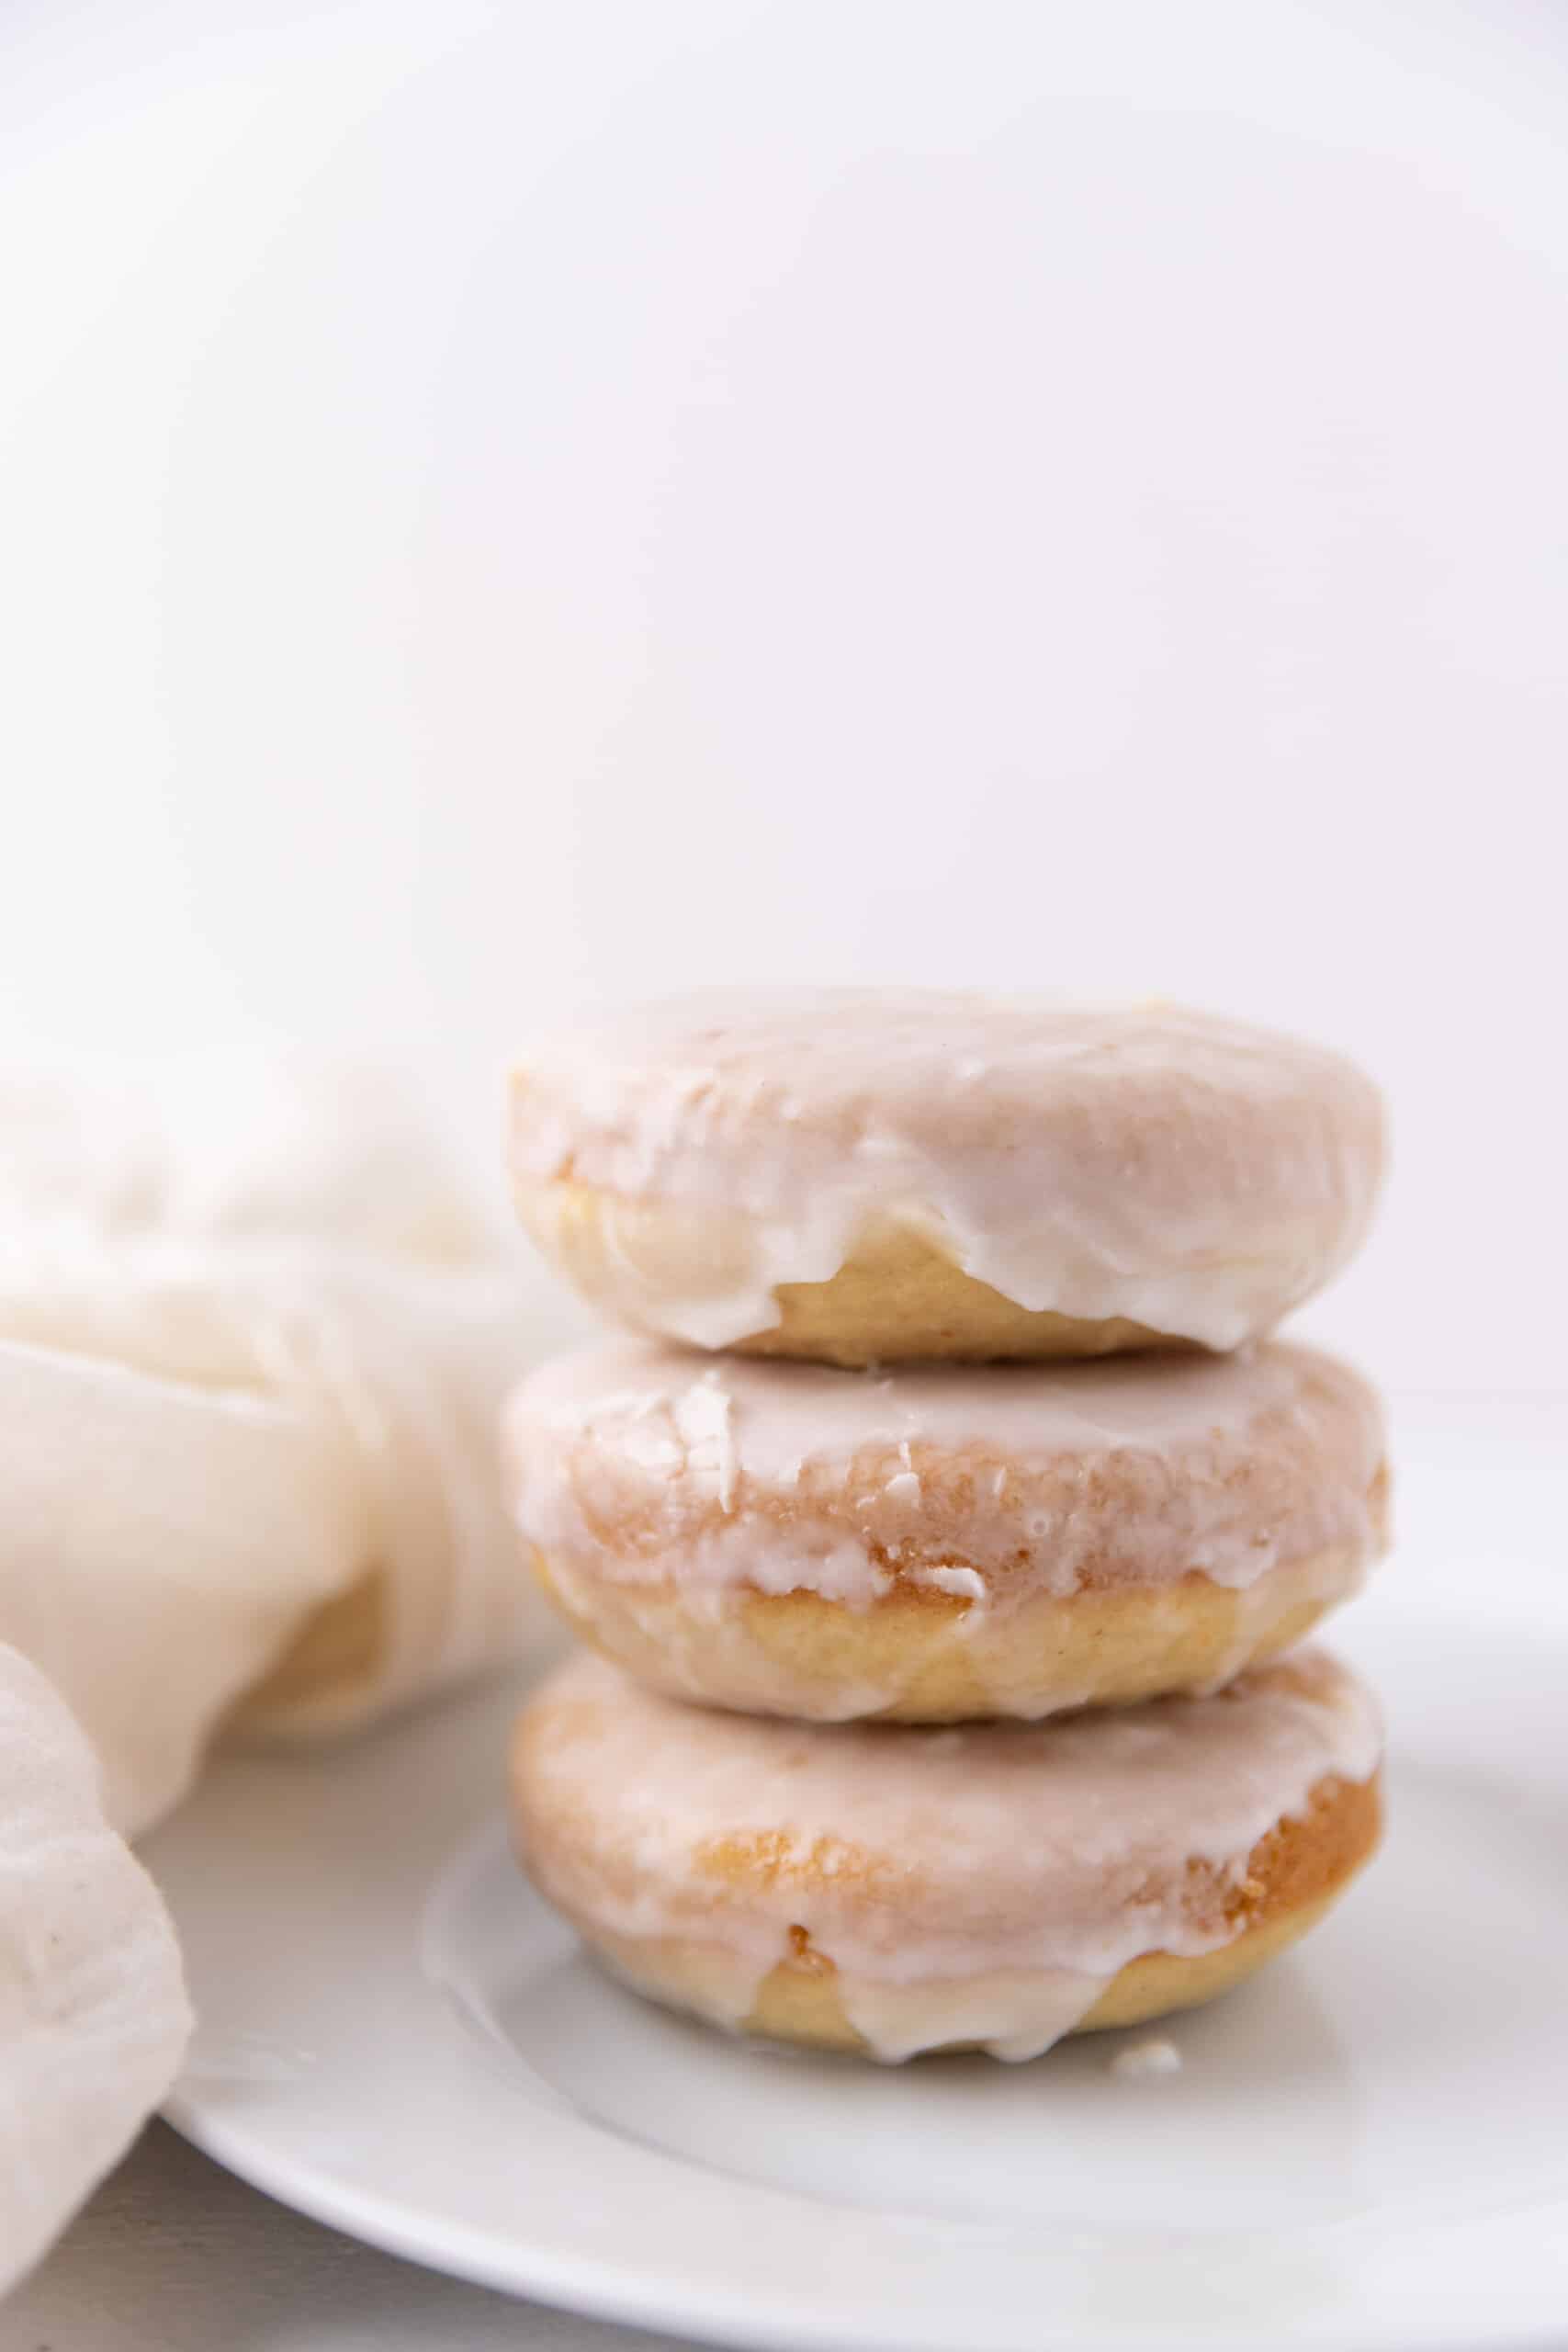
(239, 1147)
(252, 1344)
(94, 2019)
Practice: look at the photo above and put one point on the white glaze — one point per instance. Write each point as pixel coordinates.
(1013, 2014)
(924, 1860)
(636, 1463)
(1195, 1174)
(1141, 2060)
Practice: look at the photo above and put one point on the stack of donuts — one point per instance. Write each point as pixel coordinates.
(943, 1521)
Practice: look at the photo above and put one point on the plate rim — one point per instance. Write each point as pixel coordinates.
(716, 2306)
(630, 2295)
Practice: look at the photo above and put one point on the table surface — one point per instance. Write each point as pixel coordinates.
(173, 2255)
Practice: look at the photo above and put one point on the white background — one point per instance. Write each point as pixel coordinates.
(506, 505)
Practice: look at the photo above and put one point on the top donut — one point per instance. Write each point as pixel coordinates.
(870, 1176)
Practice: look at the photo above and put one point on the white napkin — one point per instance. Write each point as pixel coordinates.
(234, 1147)
(414, 1370)
(253, 1339)
(93, 2013)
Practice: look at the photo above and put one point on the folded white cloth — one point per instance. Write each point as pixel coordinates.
(252, 1344)
(94, 2019)
(230, 1148)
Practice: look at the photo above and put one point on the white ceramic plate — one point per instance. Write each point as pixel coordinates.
(1367, 2148)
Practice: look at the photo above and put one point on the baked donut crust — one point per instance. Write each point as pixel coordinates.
(913, 1658)
(877, 1176)
(899, 1295)
(995, 1888)
(800, 2000)
(943, 1543)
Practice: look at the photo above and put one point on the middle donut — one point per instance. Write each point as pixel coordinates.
(943, 1542)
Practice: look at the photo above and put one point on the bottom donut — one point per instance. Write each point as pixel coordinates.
(893, 1890)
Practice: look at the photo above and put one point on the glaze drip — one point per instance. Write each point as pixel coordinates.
(921, 1863)
(634, 1464)
(1196, 1175)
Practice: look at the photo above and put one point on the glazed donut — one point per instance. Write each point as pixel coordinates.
(893, 1891)
(943, 1542)
(867, 1176)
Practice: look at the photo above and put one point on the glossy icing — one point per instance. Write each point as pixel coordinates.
(1194, 1174)
(641, 1464)
(998, 1875)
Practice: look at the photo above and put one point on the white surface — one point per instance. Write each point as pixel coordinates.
(1364, 2149)
(511, 504)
